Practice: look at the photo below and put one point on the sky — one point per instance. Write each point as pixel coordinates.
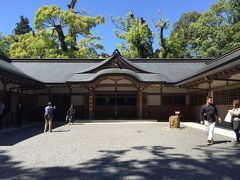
(172, 10)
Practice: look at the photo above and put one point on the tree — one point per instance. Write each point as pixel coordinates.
(42, 44)
(214, 31)
(208, 34)
(22, 27)
(5, 42)
(235, 11)
(181, 35)
(59, 21)
(164, 51)
(136, 33)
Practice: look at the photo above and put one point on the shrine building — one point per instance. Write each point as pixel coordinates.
(120, 88)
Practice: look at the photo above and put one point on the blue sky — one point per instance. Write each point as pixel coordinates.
(11, 10)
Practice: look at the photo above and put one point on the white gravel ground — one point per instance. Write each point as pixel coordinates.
(120, 151)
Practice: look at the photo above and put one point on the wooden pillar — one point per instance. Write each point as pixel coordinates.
(49, 94)
(90, 102)
(115, 105)
(5, 83)
(140, 101)
(70, 94)
(210, 91)
(6, 93)
(187, 99)
(160, 101)
(161, 91)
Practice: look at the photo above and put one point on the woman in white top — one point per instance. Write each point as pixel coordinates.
(235, 112)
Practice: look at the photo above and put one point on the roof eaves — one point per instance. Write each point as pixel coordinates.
(205, 71)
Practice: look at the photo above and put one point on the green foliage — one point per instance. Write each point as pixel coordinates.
(136, 33)
(209, 34)
(164, 50)
(181, 35)
(68, 34)
(5, 42)
(22, 27)
(60, 33)
(39, 45)
(60, 21)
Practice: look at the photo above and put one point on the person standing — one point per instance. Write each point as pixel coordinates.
(19, 117)
(70, 115)
(2, 106)
(208, 115)
(48, 116)
(235, 121)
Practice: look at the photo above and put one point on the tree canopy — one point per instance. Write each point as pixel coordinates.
(59, 33)
(136, 33)
(207, 34)
(22, 27)
(69, 33)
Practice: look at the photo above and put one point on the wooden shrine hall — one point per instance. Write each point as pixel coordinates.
(120, 88)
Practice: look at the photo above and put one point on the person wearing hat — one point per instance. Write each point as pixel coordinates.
(235, 121)
(48, 115)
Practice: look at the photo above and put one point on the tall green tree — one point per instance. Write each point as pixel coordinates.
(214, 31)
(22, 27)
(181, 36)
(164, 49)
(235, 11)
(40, 45)
(208, 34)
(137, 36)
(5, 42)
(59, 21)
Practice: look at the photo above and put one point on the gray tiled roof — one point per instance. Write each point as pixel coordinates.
(51, 72)
(144, 77)
(174, 71)
(152, 70)
(226, 61)
(7, 67)
(62, 71)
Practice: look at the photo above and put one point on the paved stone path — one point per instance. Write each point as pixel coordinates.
(116, 151)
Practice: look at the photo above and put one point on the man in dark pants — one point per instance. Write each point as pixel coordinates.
(19, 114)
(2, 106)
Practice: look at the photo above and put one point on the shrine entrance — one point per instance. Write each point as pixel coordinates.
(116, 106)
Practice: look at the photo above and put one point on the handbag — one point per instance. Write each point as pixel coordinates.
(228, 117)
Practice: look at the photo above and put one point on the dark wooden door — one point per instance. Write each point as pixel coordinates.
(115, 106)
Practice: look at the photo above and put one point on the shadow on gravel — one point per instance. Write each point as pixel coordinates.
(114, 165)
(15, 136)
(61, 130)
(222, 142)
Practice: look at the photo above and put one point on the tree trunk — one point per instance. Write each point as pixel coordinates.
(61, 38)
(71, 33)
(166, 50)
(72, 4)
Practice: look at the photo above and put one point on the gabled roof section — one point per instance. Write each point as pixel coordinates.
(141, 77)
(115, 61)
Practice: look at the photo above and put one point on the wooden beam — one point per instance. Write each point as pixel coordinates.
(233, 80)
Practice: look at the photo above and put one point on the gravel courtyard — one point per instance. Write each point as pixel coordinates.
(116, 151)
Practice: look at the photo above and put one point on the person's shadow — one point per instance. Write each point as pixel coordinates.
(61, 130)
(222, 142)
